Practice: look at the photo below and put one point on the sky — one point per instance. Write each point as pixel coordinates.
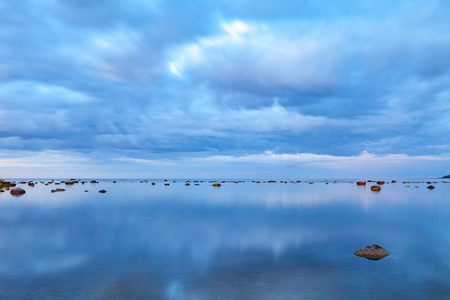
(224, 89)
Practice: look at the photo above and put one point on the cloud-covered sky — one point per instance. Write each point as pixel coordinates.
(224, 88)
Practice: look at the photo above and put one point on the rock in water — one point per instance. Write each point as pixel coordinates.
(430, 187)
(17, 191)
(375, 188)
(216, 184)
(102, 191)
(361, 183)
(372, 252)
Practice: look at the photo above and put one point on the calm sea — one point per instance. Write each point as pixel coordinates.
(238, 241)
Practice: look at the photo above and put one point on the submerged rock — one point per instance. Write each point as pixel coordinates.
(17, 191)
(430, 187)
(372, 252)
(58, 190)
(216, 184)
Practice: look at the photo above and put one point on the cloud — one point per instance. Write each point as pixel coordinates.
(166, 80)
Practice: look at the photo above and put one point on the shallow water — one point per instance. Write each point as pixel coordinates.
(238, 241)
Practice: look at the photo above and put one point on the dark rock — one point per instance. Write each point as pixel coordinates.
(58, 190)
(17, 191)
(216, 184)
(102, 191)
(431, 187)
(372, 252)
(361, 183)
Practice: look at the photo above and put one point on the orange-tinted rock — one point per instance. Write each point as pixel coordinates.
(380, 182)
(372, 252)
(58, 190)
(153, 183)
(31, 184)
(361, 183)
(216, 184)
(393, 181)
(375, 188)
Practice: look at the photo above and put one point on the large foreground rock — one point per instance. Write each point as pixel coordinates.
(372, 252)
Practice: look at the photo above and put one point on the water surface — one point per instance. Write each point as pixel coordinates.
(239, 241)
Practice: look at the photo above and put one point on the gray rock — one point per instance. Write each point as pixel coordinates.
(372, 252)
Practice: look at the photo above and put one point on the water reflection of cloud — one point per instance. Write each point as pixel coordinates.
(193, 243)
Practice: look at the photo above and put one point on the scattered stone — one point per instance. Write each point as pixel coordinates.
(375, 188)
(58, 190)
(372, 252)
(361, 183)
(380, 182)
(393, 181)
(216, 184)
(85, 191)
(31, 184)
(430, 187)
(17, 191)
(102, 191)
(153, 183)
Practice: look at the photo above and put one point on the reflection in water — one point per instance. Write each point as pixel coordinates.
(239, 241)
